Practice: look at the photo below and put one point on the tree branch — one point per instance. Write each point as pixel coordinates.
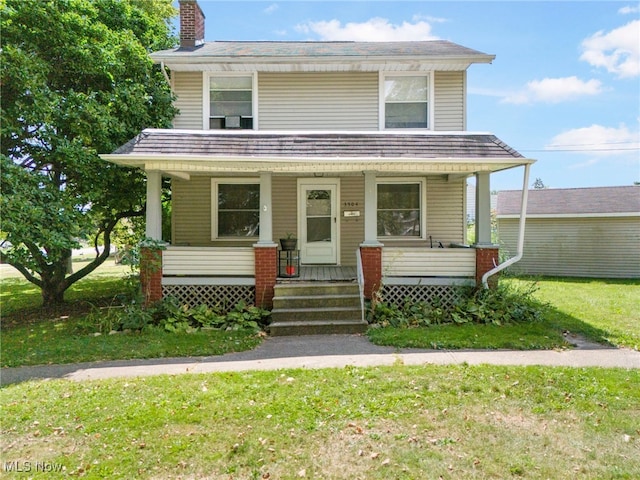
(100, 258)
(22, 269)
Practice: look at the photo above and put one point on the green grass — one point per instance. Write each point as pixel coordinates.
(602, 310)
(64, 342)
(32, 335)
(534, 336)
(606, 310)
(450, 422)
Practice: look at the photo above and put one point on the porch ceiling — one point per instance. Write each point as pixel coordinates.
(249, 152)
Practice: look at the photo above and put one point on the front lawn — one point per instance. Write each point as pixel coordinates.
(606, 310)
(32, 335)
(450, 422)
(602, 310)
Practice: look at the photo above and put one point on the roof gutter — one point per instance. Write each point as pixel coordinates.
(523, 216)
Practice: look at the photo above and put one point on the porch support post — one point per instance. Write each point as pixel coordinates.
(266, 258)
(151, 256)
(266, 215)
(486, 251)
(266, 252)
(154, 205)
(370, 211)
(483, 209)
(371, 248)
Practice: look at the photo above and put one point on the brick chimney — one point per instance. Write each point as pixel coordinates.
(191, 24)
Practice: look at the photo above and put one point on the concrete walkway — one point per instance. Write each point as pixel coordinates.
(327, 351)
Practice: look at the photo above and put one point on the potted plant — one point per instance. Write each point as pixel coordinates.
(288, 243)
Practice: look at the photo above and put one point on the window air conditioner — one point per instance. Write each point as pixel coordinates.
(232, 121)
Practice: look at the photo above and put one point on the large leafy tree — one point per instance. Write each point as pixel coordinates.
(77, 81)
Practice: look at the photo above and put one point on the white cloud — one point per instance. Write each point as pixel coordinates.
(373, 30)
(271, 8)
(554, 90)
(598, 140)
(618, 50)
(629, 9)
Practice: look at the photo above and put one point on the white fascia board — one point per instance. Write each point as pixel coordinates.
(398, 132)
(191, 164)
(571, 215)
(310, 64)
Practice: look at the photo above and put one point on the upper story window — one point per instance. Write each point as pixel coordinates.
(406, 101)
(230, 102)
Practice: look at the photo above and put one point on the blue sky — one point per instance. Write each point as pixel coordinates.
(564, 88)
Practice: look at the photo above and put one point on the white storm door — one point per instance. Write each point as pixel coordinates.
(318, 205)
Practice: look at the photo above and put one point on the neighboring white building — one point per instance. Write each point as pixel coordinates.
(575, 232)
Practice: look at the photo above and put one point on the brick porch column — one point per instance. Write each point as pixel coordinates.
(266, 273)
(151, 274)
(372, 269)
(486, 259)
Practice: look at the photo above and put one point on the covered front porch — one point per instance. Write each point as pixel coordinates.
(247, 269)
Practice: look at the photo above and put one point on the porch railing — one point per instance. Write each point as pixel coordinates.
(208, 261)
(428, 262)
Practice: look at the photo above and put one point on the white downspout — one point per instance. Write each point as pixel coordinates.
(523, 215)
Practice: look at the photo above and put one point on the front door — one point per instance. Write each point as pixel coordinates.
(318, 222)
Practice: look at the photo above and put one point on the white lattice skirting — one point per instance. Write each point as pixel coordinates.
(225, 296)
(398, 294)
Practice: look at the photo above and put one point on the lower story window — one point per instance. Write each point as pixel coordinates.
(236, 208)
(401, 209)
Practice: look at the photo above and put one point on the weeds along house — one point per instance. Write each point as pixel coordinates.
(357, 149)
(575, 232)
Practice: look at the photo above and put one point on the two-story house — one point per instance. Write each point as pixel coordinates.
(358, 149)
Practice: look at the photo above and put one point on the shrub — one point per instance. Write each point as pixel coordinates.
(172, 316)
(502, 305)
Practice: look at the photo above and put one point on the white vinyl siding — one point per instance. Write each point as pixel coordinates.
(449, 101)
(351, 228)
(188, 89)
(575, 247)
(284, 204)
(446, 221)
(318, 101)
(191, 211)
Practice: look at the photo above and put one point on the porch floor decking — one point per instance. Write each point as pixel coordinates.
(323, 273)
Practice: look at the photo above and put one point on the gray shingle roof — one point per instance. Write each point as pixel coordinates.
(558, 201)
(269, 49)
(318, 145)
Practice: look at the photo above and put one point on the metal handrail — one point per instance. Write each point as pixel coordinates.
(360, 274)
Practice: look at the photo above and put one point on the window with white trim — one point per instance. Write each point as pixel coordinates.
(230, 101)
(401, 208)
(235, 208)
(406, 101)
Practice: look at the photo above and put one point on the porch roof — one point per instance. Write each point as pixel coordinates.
(248, 151)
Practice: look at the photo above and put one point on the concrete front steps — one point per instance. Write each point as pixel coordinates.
(316, 308)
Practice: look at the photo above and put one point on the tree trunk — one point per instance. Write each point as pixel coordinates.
(55, 283)
(52, 295)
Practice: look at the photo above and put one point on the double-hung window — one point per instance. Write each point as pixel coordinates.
(406, 101)
(230, 101)
(401, 209)
(235, 208)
